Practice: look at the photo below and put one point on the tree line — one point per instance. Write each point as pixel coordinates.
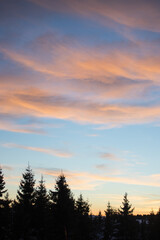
(38, 214)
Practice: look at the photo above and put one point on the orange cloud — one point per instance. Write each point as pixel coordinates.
(14, 127)
(143, 14)
(53, 152)
(27, 104)
(88, 181)
(111, 157)
(92, 64)
(6, 167)
(86, 85)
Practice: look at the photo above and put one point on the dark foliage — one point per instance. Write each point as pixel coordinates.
(24, 206)
(83, 224)
(37, 215)
(127, 227)
(2, 184)
(5, 214)
(41, 209)
(63, 209)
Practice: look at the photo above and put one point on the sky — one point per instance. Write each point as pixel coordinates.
(80, 95)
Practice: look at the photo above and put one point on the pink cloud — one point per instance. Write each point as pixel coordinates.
(53, 152)
(143, 14)
(81, 84)
(88, 181)
(110, 156)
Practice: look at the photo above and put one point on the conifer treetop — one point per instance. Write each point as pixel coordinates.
(126, 208)
(26, 192)
(2, 183)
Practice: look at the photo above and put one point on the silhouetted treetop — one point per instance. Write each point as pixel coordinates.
(126, 208)
(62, 192)
(41, 194)
(82, 207)
(2, 183)
(26, 192)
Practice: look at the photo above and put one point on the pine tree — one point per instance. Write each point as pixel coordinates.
(41, 207)
(126, 208)
(82, 207)
(128, 226)
(41, 198)
(83, 224)
(63, 202)
(24, 207)
(26, 192)
(110, 221)
(7, 216)
(2, 183)
(3, 214)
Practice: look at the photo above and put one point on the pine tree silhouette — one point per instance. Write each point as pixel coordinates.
(63, 201)
(126, 208)
(2, 184)
(3, 213)
(24, 207)
(82, 219)
(82, 207)
(26, 192)
(127, 229)
(41, 209)
(110, 222)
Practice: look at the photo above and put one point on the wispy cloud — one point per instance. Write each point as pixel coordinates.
(58, 77)
(27, 104)
(53, 152)
(12, 126)
(111, 156)
(6, 167)
(88, 181)
(101, 166)
(92, 135)
(143, 14)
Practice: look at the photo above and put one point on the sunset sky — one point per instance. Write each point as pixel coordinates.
(80, 94)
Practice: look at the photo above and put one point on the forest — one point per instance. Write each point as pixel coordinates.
(38, 214)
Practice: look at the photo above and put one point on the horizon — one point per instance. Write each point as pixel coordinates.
(79, 94)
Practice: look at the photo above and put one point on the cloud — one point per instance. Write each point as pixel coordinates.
(92, 135)
(141, 15)
(53, 152)
(29, 104)
(107, 85)
(89, 181)
(6, 167)
(110, 156)
(14, 127)
(93, 65)
(101, 166)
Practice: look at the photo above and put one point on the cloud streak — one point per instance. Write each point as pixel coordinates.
(88, 181)
(142, 15)
(110, 156)
(56, 76)
(53, 152)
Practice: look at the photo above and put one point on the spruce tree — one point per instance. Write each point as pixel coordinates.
(110, 222)
(63, 202)
(82, 207)
(3, 214)
(41, 197)
(26, 192)
(83, 223)
(126, 208)
(7, 217)
(41, 207)
(24, 207)
(2, 184)
(127, 227)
